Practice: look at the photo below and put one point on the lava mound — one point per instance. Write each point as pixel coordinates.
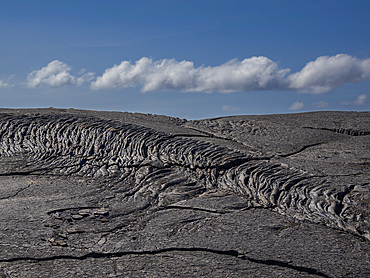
(109, 194)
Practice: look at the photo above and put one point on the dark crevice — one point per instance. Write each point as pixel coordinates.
(346, 131)
(347, 191)
(16, 193)
(214, 136)
(74, 208)
(287, 265)
(207, 134)
(36, 171)
(196, 209)
(232, 253)
(269, 207)
(338, 175)
(215, 211)
(25, 173)
(340, 196)
(191, 135)
(300, 150)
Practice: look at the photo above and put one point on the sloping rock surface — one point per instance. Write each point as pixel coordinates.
(110, 194)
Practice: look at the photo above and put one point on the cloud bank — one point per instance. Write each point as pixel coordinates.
(56, 74)
(257, 73)
(252, 74)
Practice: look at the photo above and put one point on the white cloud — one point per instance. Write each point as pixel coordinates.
(56, 74)
(85, 77)
(321, 104)
(329, 72)
(359, 101)
(3, 84)
(228, 108)
(296, 105)
(256, 73)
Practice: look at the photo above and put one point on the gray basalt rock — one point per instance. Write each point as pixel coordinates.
(109, 194)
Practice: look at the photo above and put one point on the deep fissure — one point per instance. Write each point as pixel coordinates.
(232, 253)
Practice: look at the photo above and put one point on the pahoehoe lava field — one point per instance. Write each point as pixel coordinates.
(113, 194)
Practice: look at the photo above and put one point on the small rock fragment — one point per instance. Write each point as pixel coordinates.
(74, 230)
(57, 242)
(84, 212)
(102, 241)
(57, 215)
(63, 235)
(51, 225)
(77, 216)
(60, 243)
(101, 211)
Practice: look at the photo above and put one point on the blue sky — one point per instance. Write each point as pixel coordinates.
(189, 59)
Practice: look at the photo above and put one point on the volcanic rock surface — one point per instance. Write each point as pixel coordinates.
(110, 194)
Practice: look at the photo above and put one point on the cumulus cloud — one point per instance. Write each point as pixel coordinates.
(359, 101)
(56, 74)
(256, 73)
(296, 105)
(329, 72)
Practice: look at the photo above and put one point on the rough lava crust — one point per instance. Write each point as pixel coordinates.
(111, 194)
